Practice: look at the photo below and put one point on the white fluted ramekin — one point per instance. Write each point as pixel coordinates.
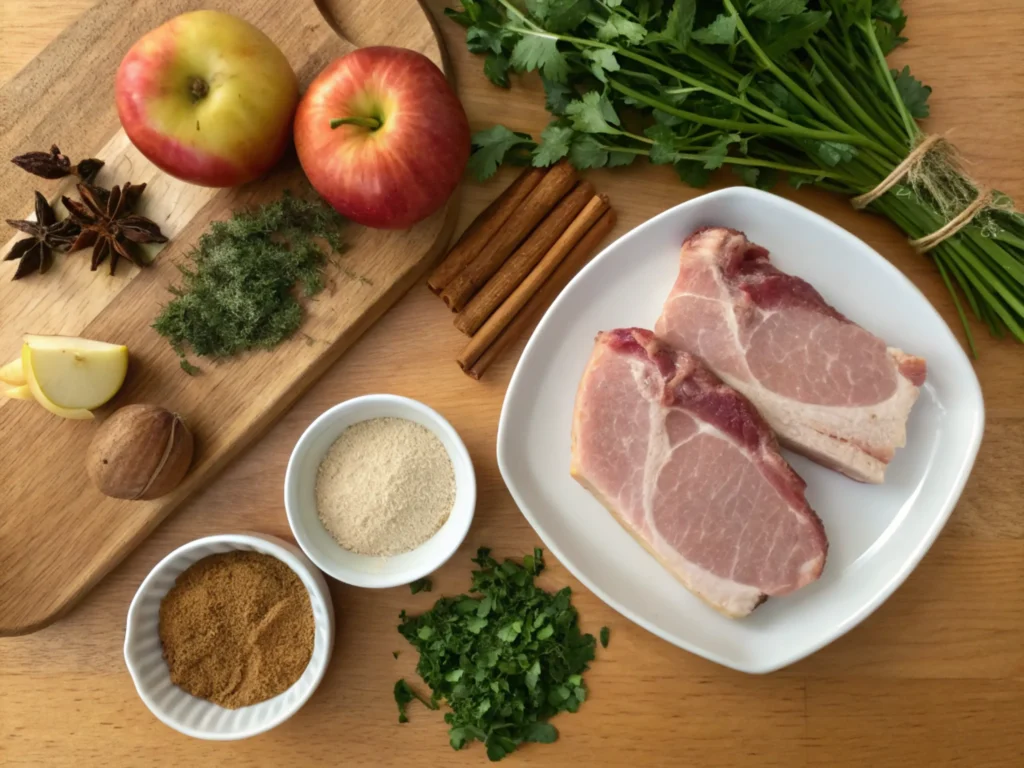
(196, 717)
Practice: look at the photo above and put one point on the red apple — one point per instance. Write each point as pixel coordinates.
(382, 137)
(208, 98)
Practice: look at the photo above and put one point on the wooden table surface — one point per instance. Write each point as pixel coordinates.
(934, 677)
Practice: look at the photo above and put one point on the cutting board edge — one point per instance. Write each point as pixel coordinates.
(394, 293)
(31, 621)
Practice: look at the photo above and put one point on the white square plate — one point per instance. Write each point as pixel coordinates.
(877, 534)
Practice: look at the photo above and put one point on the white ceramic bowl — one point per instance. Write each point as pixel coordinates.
(196, 717)
(300, 495)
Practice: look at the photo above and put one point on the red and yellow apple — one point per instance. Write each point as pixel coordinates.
(208, 98)
(382, 137)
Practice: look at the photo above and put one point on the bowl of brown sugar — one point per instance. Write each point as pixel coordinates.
(229, 635)
(380, 491)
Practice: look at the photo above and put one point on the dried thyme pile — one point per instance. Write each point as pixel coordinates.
(238, 293)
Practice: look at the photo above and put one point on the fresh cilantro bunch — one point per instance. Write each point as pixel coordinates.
(798, 89)
(505, 658)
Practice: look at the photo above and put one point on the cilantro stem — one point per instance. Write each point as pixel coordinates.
(519, 14)
(698, 83)
(897, 100)
(732, 125)
(959, 308)
(852, 137)
(850, 102)
(815, 106)
(759, 163)
(746, 161)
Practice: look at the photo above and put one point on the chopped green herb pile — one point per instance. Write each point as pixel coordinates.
(421, 585)
(505, 658)
(404, 695)
(771, 88)
(238, 293)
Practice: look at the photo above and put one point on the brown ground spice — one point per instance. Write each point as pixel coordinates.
(237, 628)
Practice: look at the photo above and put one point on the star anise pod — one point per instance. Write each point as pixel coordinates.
(109, 225)
(44, 235)
(54, 165)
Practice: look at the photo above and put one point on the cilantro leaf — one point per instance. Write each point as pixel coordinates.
(421, 585)
(587, 152)
(468, 14)
(498, 747)
(721, 31)
(663, 150)
(486, 38)
(556, 96)
(888, 34)
(692, 172)
(492, 145)
(540, 53)
(601, 61)
(793, 32)
(890, 10)
(605, 634)
(679, 24)
(593, 113)
(616, 159)
(761, 178)
(404, 695)
(913, 92)
(510, 631)
(541, 733)
(618, 26)
(715, 156)
(832, 153)
(496, 69)
(777, 10)
(554, 145)
(785, 101)
(559, 15)
(532, 675)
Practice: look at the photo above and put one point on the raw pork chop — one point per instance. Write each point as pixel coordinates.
(830, 389)
(691, 470)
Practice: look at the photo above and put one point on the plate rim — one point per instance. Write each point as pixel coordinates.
(914, 556)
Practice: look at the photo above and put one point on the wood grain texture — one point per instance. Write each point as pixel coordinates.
(934, 677)
(51, 560)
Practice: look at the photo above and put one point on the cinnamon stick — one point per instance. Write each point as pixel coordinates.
(540, 286)
(538, 204)
(515, 270)
(483, 228)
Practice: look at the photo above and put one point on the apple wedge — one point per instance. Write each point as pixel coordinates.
(69, 375)
(17, 393)
(12, 374)
(65, 413)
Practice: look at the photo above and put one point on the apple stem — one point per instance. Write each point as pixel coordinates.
(198, 88)
(366, 122)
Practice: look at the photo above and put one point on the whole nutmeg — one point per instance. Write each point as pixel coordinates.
(140, 452)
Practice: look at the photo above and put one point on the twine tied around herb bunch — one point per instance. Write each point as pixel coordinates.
(935, 168)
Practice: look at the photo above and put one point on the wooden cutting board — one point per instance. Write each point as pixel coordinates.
(58, 534)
